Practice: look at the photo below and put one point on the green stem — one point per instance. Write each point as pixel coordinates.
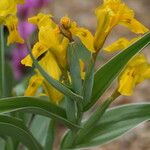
(2, 63)
(50, 135)
(88, 125)
(92, 120)
(79, 112)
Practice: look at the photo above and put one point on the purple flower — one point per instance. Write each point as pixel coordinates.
(18, 54)
(26, 29)
(30, 6)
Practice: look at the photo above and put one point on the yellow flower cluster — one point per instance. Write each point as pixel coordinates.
(8, 10)
(53, 40)
(50, 51)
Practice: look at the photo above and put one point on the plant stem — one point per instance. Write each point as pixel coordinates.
(92, 120)
(50, 135)
(2, 63)
(96, 116)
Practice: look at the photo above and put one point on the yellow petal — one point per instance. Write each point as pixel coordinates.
(136, 71)
(120, 44)
(7, 7)
(12, 25)
(49, 64)
(146, 73)
(20, 1)
(37, 51)
(85, 36)
(33, 86)
(82, 69)
(127, 82)
(27, 61)
(60, 52)
(54, 94)
(135, 26)
(48, 37)
(138, 60)
(42, 20)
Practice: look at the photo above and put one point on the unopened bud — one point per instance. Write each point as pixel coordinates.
(65, 22)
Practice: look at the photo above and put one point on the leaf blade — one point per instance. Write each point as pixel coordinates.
(35, 105)
(116, 122)
(15, 128)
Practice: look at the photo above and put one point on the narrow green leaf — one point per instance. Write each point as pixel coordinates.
(11, 144)
(114, 123)
(14, 128)
(83, 53)
(50, 136)
(58, 85)
(88, 83)
(107, 73)
(70, 107)
(74, 67)
(37, 106)
(39, 128)
(2, 144)
(10, 82)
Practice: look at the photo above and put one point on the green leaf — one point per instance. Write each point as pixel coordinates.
(39, 128)
(114, 123)
(70, 107)
(37, 106)
(58, 85)
(74, 67)
(14, 128)
(10, 82)
(107, 73)
(50, 136)
(88, 83)
(2, 144)
(83, 53)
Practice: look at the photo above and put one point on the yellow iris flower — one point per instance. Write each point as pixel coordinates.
(135, 72)
(50, 50)
(8, 10)
(49, 39)
(112, 13)
(109, 14)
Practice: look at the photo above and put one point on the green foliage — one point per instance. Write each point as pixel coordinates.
(15, 128)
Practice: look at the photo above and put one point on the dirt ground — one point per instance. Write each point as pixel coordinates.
(83, 12)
